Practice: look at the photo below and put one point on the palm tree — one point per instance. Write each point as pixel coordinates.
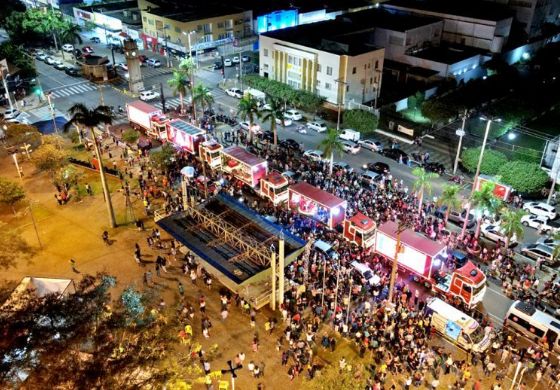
(187, 66)
(90, 119)
(511, 224)
(330, 145)
(423, 183)
(483, 200)
(272, 114)
(203, 96)
(556, 251)
(71, 34)
(180, 83)
(248, 109)
(450, 199)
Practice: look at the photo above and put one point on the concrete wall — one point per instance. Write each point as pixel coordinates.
(364, 83)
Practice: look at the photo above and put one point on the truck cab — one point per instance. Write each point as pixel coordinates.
(467, 283)
(274, 187)
(211, 153)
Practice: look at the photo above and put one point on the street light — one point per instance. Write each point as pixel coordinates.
(511, 136)
(188, 34)
(339, 97)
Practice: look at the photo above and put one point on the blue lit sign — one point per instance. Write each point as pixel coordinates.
(277, 20)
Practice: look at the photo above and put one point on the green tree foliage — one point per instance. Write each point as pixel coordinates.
(422, 183)
(301, 99)
(203, 97)
(415, 101)
(164, 157)
(248, 109)
(130, 136)
(13, 249)
(15, 55)
(492, 160)
(18, 134)
(450, 199)
(70, 33)
(68, 177)
(363, 121)
(8, 7)
(11, 193)
(180, 83)
(438, 110)
(511, 224)
(49, 158)
(331, 145)
(133, 305)
(522, 176)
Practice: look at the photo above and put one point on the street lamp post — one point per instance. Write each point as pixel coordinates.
(339, 98)
(52, 112)
(461, 134)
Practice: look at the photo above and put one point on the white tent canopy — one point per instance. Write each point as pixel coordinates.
(39, 287)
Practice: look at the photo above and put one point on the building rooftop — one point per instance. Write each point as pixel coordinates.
(471, 9)
(260, 7)
(446, 55)
(380, 18)
(187, 12)
(110, 7)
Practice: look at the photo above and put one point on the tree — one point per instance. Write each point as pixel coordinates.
(330, 145)
(180, 84)
(187, 66)
(19, 134)
(90, 119)
(71, 33)
(524, 177)
(450, 199)
(437, 110)
(272, 114)
(49, 158)
(352, 377)
(511, 224)
(10, 193)
(13, 248)
(422, 183)
(68, 177)
(130, 136)
(363, 121)
(484, 201)
(415, 101)
(14, 54)
(492, 160)
(9, 7)
(164, 158)
(248, 109)
(203, 97)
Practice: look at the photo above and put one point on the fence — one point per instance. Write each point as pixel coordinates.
(354, 105)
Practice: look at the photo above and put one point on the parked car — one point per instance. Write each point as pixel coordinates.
(315, 155)
(95, 40)
(456, 217)
(49, 60)
(267, 135)
(284, 122)
(372, 145)
(255, 129)
(541, 209)
(294, 115)
(538, 252)
(11, 113)
(227, 62)
(369, 177)
(548, 241)
(436, 167)
(41, 56)
(494, 233)
(71, 71)
(245, 58)
(87, 49)
(350, 147)
(541, 223)
(395, 154)
(235, 60)
(319, 127)
(234, 92)
(289, 144)
(149, 95)
(68, 48)
(218, 65)
(153, 62)
(123, 66)
(377, 167)
(343, 165)
(59, 65)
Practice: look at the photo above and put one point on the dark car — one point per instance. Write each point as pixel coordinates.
(289, 144)
(267, 135)
(71, 71)
(377, 167)
(95, 40)
(436, 167)
(218, 65)
(395, 154)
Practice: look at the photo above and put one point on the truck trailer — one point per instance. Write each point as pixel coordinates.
(148, 119)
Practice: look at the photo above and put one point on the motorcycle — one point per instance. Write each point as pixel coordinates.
(301, 129)
(457, 179)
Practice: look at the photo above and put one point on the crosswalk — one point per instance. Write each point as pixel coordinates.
(148, 72)
(74, 89)
(170, 103)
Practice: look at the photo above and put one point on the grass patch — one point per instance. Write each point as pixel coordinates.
(415, 115)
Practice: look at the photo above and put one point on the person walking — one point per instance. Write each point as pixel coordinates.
(73, 265)
(181, 289)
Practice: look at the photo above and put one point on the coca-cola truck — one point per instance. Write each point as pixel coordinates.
(501, 191)
(147, 118)
(424, 259)
(184, 135)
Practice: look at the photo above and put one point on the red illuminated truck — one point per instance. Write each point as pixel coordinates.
(210, 152)
(317, 204)
(360, 230)
(424, 258)
(244, 166)
(147, 118)
(501, 191)
(184, 135)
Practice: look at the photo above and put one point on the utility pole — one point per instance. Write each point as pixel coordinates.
(281, 265)
(339, 97)
(4, 69)
(461, 134)
(402, 226)
(52, 112)
(273, 269)
(162, 97)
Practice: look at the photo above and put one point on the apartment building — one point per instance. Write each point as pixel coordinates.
(208, 25)
(328, 58)
(532, 14)
(480, 25)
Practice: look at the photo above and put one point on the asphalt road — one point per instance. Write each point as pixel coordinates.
(68, 90)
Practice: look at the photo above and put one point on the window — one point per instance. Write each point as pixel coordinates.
(371, 80)
(151, 22)
(328, 85)
(376, 64)
(318, 84)
(329, 71)
(221, 25)
(177, 30)
(266, 66)
(354, 70)
(265, 52)
(347, 88)
(319, 68)
(199, 27)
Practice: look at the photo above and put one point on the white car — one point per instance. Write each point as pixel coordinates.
(318, 126)
(246, 59)
(41, 56)
(153, 62)
(294, 115)
(371, 145)
(49, 60)
(68, 48)
(538, 222)
(255, 129)
(350, 147)
(149, 95)
(227, 62)
(315, 155)
(494, 233)
(541, 209)
(123, 66)
(287, 122)
(235, 60)
(234, 92)
(11, 113)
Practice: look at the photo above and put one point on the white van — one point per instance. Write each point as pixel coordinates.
(326, 249)
(366, 272)
(457, 327)
(350, 135)
(534, 324)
